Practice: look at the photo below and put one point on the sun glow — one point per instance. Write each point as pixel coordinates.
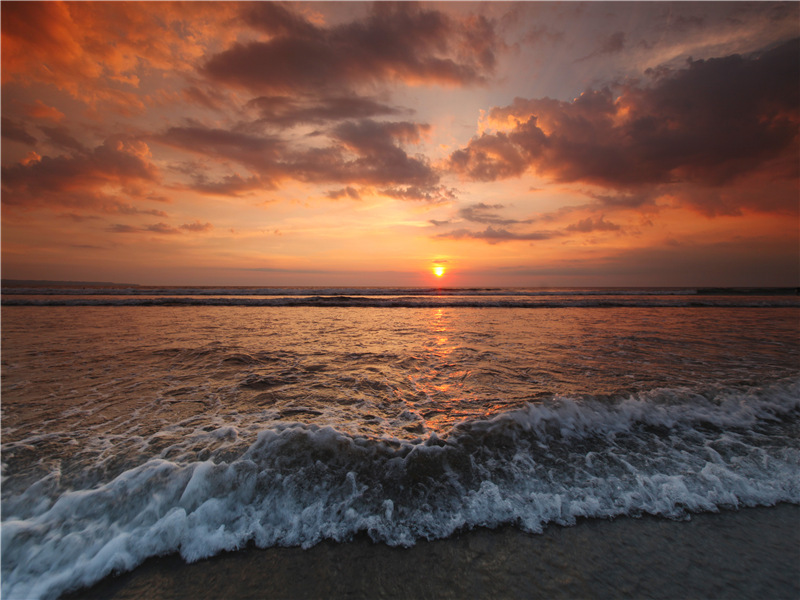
(438, 270)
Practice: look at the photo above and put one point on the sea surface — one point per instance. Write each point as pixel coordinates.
(139, 422)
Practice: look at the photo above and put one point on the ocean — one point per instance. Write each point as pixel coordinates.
(189, 422)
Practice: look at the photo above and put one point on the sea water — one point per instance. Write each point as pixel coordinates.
(138, 422)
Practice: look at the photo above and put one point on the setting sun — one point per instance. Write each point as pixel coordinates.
(438, 270)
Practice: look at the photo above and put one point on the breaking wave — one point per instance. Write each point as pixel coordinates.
(667, 452)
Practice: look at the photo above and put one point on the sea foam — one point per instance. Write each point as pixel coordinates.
(666, 452)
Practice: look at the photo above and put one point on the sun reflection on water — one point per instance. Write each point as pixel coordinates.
(440, 399)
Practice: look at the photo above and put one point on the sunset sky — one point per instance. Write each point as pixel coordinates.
(347, 143)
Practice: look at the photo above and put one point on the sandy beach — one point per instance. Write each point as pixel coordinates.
(750, 553)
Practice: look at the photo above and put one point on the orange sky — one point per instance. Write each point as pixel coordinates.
(348, 143)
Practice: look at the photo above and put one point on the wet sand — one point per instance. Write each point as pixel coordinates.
(750, 553)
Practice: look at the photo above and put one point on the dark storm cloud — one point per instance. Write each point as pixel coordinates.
(708, 123)
(398, 41)
(11, 130)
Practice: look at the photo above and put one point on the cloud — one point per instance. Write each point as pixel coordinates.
(480, 213)
(118, 208)
(431, 194)
(229, 185)
(162, 228)
(78, 179)
(286, 111)
(11, 130)
(613, 44)
(96, 51)
(257, 151)
(212, 99)
(61, 137)
(40, 110)
(360, 152)
(120, 228)
(78, 218)
(495, 235)
(197, 227)
(396, 42)
(493, 156)
(348, 192)
(366, 136)
(709, 123)
(128, 209)
(626, 199)
(589, 225)
(499, 235)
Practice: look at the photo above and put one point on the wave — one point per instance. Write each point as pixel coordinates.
(386, 291)
(583, 301)
(667, 452)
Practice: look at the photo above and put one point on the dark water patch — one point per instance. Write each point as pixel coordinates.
(265, 382)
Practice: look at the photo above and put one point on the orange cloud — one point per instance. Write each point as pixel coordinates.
(39, 110)
(78, 179)
(97, 50)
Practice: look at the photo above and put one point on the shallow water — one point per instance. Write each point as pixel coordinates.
(134, 431)
(751, 553)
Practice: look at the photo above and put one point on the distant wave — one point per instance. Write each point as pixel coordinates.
(389, 291)
(666, 452)
(425, 301)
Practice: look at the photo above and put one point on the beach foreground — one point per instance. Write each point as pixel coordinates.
(750, 553)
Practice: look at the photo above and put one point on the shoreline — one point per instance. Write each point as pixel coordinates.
(745, 553)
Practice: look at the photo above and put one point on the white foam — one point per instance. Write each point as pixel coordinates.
(664, 452)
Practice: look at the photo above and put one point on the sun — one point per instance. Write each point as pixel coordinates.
(438, 270)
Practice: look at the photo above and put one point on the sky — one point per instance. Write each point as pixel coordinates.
(366, 144)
